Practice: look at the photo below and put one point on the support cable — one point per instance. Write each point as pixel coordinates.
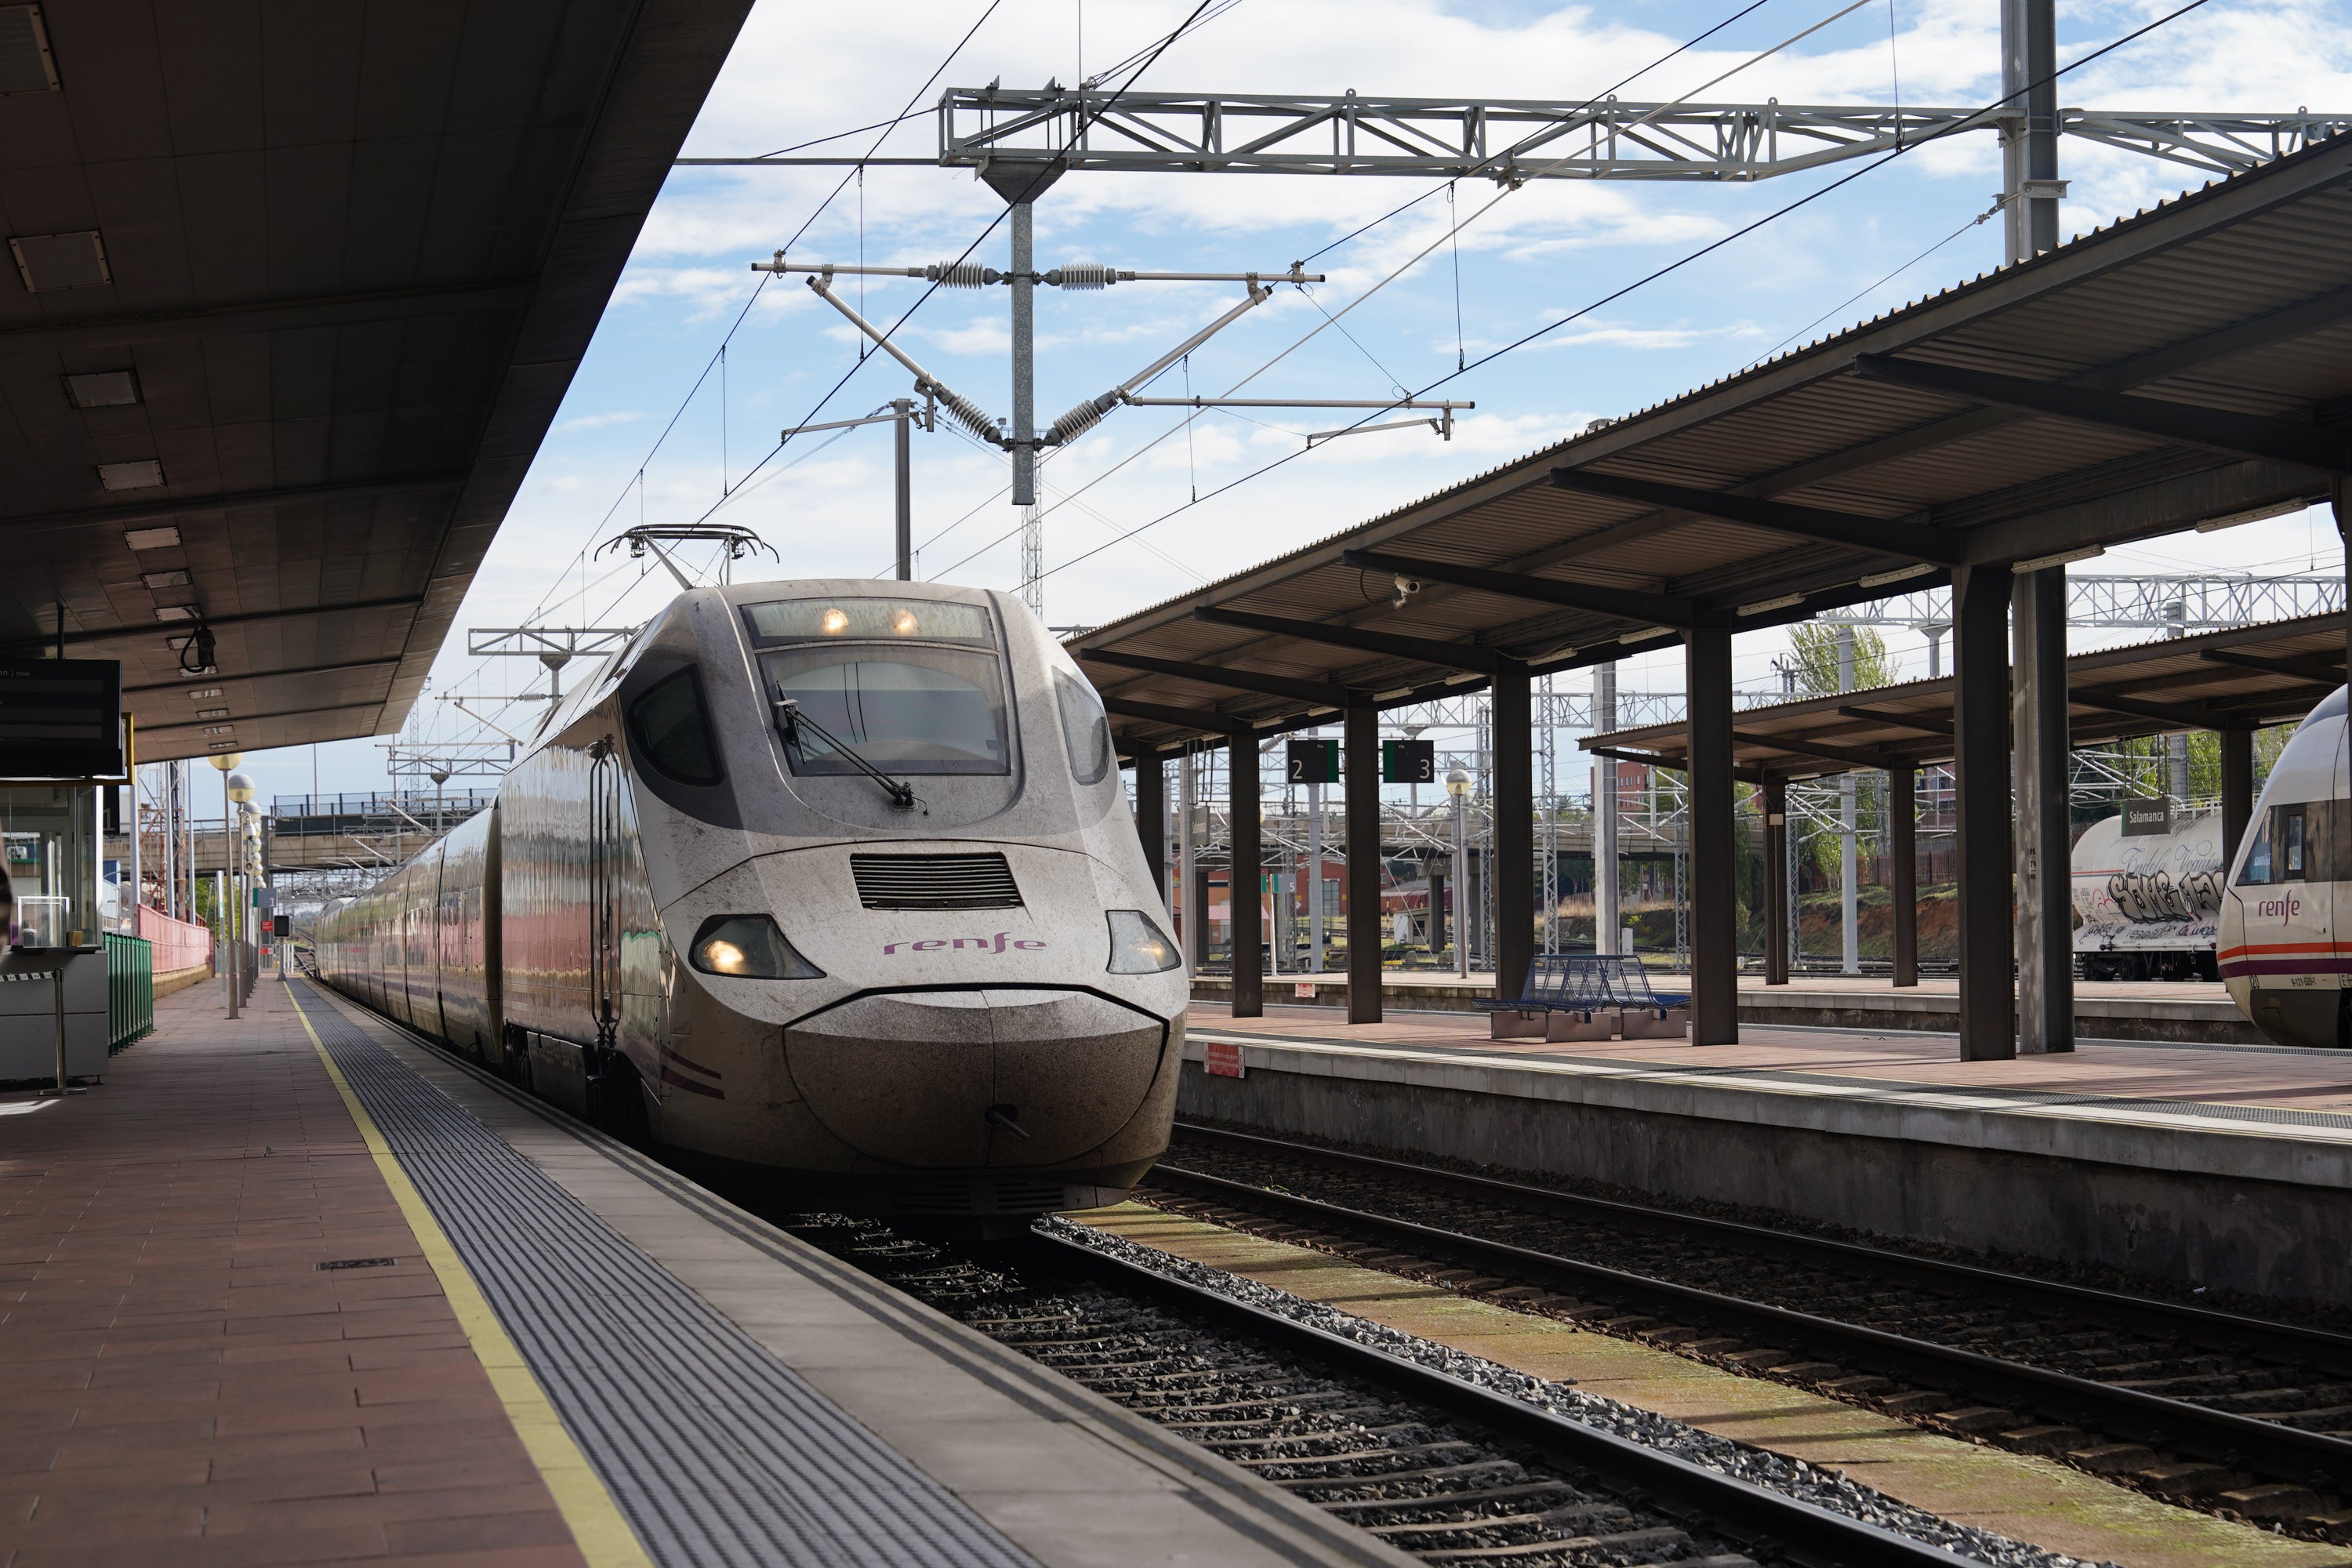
(1454, 229)
(1969, 123)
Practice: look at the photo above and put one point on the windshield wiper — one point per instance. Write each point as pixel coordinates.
(791, 721)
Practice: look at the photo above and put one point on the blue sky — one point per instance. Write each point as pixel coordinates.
(1543, 254)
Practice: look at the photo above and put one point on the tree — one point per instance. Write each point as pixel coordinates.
(1814, 655)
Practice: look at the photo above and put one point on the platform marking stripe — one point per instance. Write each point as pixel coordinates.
(604, 1536)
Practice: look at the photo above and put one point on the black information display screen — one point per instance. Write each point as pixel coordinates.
(1408, 762)
(1314, 762)
(60, 719)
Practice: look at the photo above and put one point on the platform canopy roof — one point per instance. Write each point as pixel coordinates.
(2190, 365)
(290, 298)
(2243, 678)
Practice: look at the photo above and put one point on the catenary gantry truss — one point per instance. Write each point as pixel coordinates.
(1514, 140)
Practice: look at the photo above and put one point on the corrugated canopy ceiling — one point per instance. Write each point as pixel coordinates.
(290, 298)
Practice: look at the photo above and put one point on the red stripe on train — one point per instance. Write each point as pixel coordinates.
(2285, 966)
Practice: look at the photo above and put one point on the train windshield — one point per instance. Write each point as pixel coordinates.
(904, 709)
(911, 686)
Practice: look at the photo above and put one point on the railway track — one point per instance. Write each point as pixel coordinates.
(1433, 1463)
(2236, 1415)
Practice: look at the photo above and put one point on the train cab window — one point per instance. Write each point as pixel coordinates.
(2290, 844)
(1084, 729)
(672, 730)
(904, 709)
(912, 686)
(2254, 870)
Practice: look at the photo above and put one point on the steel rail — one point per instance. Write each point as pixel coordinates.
(2236, 1441)
(1750, 1513)
(2260, 1337)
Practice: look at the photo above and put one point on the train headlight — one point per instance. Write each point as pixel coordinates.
(1138, 945)
(748, 947)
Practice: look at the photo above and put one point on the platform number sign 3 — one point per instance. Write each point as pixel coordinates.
(1314, 762)
(1408, 762)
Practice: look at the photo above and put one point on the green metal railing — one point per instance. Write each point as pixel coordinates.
(130, 989)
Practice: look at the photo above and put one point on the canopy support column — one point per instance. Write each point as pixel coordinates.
(1151, 818)
(1362, 779)
(1242, 875)
(1987, 942)
(1515, 829)
(1714, 915)
(2237, 791)
(1903, 855)
(1776, 879)
(2045, 893)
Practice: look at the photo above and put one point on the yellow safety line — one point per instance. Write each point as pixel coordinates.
(604, 1536)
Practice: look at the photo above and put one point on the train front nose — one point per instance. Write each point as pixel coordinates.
(977, 1078)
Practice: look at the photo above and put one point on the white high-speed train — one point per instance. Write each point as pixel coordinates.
(2279, 952)
(832, 882)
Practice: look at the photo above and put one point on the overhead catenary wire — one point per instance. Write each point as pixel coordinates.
(1454, 228)
(718, 357)
(1041, 177)
(1867, 290)
(1969, 122)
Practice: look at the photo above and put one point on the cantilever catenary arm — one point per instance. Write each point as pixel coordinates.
(966, 413)
(1089, 414)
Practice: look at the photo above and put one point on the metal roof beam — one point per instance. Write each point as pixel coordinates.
(336, 668)
(1674, 764)
(1321, 692)
(170, 510)
(1208, 724)
(1878, 761)
(1425, 650)
(2215, 429)
(260, 718)
(267, 316)
(2187, 715)
(1627, 604)
(2297, 666)
(1920, 723)
(1898, 539)
(182, 628)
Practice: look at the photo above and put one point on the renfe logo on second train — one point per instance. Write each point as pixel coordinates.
(2284, 909)
(997, 943)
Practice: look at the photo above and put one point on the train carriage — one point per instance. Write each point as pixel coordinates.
(2280, 955)
(830, 880)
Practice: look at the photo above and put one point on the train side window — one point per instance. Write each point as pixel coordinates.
(2290, 844)
(1084, 729)
(673, 731)
(2255, 869)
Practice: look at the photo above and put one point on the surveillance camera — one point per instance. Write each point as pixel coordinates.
(1406, 587)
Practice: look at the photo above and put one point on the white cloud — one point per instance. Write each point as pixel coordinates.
(599, 421)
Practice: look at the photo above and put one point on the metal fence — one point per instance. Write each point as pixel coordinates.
(130, 989)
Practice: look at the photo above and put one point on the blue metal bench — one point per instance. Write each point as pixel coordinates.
(1576, 989)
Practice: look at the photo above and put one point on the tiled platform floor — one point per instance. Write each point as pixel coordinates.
(180, 1383)
(2224, 1075)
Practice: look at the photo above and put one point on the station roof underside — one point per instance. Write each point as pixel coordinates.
(350, 260)
(2188, 364)
(2243, 678)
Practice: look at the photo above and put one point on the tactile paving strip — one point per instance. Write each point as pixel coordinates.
(719, 1454)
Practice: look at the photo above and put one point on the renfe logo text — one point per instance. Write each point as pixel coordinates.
(997, 943)
(2284, 909)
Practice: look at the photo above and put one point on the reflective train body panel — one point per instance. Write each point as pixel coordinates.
(694, 913)
(2280, 954)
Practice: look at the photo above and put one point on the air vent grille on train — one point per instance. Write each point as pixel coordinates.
(934, 883)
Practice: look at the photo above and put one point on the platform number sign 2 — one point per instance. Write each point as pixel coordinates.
(1408, 762)
(1314, 762)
